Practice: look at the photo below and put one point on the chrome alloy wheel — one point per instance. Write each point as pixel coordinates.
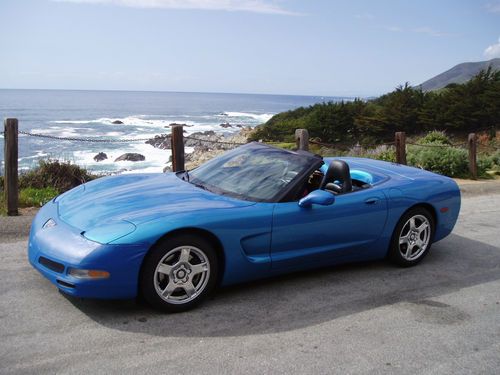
(414, 237)
(182, 274)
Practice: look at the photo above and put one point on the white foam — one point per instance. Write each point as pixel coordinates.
(38, 155)
(136, 121)
(155, 159)
(125, 133)
(59, 132)
(157, 121)
(130, 120)
(264, 117)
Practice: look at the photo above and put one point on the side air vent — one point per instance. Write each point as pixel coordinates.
(64, 283)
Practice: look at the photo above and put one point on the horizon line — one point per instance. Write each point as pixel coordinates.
(196, 92)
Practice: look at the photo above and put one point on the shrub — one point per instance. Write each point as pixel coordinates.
(435, 137)
(488, 163)
(449, 161)
(494, 158)
(61, 176)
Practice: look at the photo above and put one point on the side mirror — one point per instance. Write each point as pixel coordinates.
(321, 197)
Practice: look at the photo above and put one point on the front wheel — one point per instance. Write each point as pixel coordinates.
(179, 273)
(412, 237)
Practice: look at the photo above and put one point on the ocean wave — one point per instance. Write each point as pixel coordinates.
(155, 159)
(67, 132)
(139, 122)
(262, 117)
(130, 120)
(38, 155)
(156, 121)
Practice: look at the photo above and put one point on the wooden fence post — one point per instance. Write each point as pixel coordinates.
(10, 158)
(177, 145)
(357, 149)
(302, 139)
(472, 146)
(400, 142)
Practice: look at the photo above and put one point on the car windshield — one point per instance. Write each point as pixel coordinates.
(253, 172)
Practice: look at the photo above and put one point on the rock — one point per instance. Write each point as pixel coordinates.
(226, 125)
(174, 123)
(117, 122)
(208, 133)
(130, 156)
(205, 145)
(160, 141)
(199, 156)
(100, 156)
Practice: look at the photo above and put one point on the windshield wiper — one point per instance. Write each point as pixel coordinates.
(198, 185)
(186, 176)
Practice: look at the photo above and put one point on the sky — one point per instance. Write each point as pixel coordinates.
(297, 47)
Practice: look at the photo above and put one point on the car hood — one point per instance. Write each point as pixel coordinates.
(136, 198)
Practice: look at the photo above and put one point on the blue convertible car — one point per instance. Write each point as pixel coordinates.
(253, 212)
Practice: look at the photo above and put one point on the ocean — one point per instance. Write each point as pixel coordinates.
(88, 114)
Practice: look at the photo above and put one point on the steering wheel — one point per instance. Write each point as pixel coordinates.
(335, 188)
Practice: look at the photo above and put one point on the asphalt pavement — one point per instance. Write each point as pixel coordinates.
(441, 317)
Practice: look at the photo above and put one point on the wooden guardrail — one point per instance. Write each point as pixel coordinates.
(11, 133)
(400, 145)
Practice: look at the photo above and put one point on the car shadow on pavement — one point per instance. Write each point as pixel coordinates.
(309, 298)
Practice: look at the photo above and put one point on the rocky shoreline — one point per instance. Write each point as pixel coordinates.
(199, 146)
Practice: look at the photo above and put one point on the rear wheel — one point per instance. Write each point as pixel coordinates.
(179, 273)
(412, 238)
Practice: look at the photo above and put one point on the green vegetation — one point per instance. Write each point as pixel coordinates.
(448, 161)
(433, 152)
(458, 109)
(60, 176)
(435, 137)
(49, 179)
(31, 197)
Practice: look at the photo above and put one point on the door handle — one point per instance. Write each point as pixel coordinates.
(371, 201)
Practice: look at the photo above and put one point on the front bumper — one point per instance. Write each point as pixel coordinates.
(54, 250)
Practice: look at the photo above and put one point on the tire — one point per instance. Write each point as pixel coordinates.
(412, 237)
(178, 273)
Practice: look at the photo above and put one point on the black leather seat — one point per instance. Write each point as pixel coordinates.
(338, 170)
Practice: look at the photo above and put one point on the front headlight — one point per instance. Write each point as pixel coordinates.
(109, 232)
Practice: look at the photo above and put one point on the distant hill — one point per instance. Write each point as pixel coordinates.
(459, 74)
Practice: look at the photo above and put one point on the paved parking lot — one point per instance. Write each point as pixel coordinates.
(442, 316)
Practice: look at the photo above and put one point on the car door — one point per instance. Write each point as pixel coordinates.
(320, 233)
